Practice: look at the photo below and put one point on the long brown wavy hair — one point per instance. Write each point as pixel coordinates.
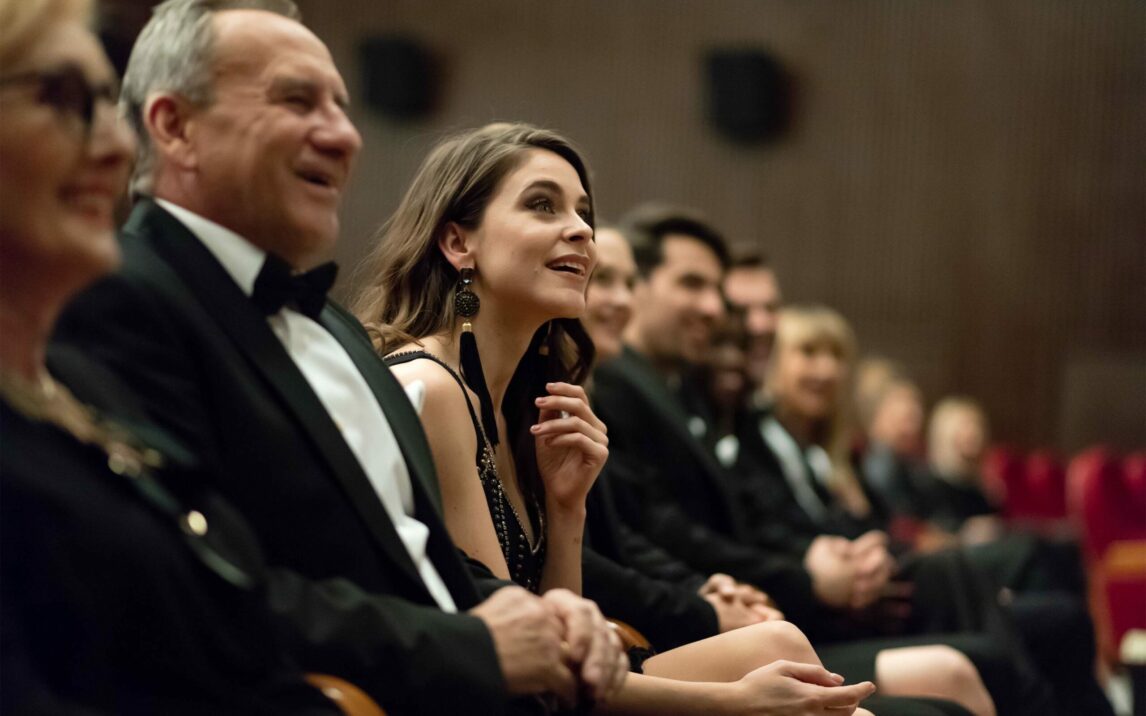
(408, 285)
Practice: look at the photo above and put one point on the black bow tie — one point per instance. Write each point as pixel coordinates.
(278, 286)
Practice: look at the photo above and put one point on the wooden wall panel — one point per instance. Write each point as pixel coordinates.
(965, 179)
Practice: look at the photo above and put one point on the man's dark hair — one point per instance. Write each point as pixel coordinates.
(749, 258)
(647, 225)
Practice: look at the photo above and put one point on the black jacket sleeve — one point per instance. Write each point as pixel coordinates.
(667, 614)
(401, 653)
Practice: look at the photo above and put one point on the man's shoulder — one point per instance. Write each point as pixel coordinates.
(628, 376)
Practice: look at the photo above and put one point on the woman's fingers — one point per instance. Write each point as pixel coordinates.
(581, 442)
(570, 405)
(569, 425)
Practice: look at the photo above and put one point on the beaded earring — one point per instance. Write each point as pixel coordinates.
(466, 305)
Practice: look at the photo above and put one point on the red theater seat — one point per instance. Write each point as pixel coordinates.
(1107, 499)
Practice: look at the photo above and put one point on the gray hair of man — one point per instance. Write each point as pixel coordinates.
(173, 54)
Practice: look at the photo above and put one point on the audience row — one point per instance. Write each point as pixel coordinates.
(216, 481)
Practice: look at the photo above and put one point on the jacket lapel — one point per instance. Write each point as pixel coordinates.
(644, 378)
(212, 287)
(407, 428)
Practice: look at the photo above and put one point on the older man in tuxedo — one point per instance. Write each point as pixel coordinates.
(246, 147)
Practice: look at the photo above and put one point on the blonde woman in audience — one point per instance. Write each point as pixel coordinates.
(809, 379)
(953, 492)
(475, 288)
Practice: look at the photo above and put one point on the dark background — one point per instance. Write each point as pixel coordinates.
(965, 180)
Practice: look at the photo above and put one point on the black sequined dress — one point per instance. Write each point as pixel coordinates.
(525, 560)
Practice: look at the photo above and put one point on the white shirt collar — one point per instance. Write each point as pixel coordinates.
(241, 259)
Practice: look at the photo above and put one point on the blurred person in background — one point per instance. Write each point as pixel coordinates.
(753, 291)
(954, 496)
(608, 309)
(681, 498)
(810, 438)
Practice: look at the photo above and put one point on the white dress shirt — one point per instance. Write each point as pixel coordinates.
(341, 389)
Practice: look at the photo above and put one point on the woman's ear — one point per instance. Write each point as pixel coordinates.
(455, 246)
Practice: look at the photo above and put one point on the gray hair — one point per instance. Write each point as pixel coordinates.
(173, 54)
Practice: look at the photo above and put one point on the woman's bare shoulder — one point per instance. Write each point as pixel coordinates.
(444, 411)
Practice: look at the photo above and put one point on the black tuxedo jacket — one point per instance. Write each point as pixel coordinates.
(185, 337)
(676, 492)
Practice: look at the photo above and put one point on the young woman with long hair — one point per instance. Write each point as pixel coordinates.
(473, 293)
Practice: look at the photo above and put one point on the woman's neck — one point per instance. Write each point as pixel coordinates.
(501, 346)
(26, 324)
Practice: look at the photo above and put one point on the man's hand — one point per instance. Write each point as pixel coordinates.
(795, 689)
(593, 648)
(829, 562)
(874, 566)
(737, 604)
(528, 634)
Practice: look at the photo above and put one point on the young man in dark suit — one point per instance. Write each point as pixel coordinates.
(246, 147)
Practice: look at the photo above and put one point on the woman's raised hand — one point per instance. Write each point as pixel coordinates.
(571, 444)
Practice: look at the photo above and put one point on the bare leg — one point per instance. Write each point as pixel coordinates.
(938, 671)
(729, 656)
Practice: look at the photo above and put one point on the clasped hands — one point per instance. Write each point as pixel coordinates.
(850, 574)
(557, 643)
(738, 604)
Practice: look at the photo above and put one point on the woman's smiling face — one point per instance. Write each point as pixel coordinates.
(61, 176)
(808, 375)
(609, 303)
(534, 250)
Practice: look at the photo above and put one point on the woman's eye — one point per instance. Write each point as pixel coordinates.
(586, 216)
(541, 204)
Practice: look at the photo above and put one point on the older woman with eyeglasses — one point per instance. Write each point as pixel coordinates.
(124, 589)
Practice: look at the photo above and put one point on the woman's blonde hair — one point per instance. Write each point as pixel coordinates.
(22, 22)
(802, 325)
(940, 432)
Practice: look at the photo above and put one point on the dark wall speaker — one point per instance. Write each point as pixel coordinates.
(399, 77)
(749, 94)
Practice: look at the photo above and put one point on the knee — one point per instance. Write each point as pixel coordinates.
(782, 640)
(954, 666)
(956, 676)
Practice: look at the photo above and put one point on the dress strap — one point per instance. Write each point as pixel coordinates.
(412, 355)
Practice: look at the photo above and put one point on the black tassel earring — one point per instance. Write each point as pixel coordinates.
(466, 305)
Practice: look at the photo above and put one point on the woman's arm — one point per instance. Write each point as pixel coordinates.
(453, 444)
(782, 688)
(571, 450)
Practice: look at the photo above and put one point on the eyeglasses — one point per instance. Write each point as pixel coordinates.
(67, 91)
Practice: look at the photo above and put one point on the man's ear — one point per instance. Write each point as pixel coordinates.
(455, 245)
(167, 118)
